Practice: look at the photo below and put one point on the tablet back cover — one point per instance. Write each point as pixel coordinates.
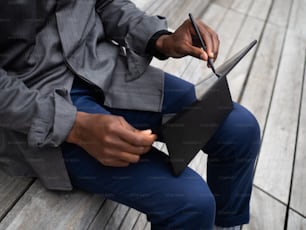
(188, 132)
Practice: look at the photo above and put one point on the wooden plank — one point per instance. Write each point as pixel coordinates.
(296, 221)
(101, 220)
(117, 217)
(130, 219)
(266, 212)
(298, 196)
(158, 7)
(148, 226)
(242, 6)
(198, 164)
(41, 209)
(177, 66)
(264, 71)
(276, 157)
(251, 29)
(260, 9)
(223, 3)
(263, 74)
(214, 15)
(11, 189)
(144, 5)
(298, 17)
(280, 13)
(228, 31)
(174, 13)
(180, 9)
(141, 222)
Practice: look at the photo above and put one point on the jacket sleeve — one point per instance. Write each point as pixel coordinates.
(127, 25)
(45, 120)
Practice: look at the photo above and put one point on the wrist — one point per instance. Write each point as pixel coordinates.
(160, 44)
(74, 135)
(156, 46)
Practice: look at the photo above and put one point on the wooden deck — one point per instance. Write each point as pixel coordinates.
(270, 82)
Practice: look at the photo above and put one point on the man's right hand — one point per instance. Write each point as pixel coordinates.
(110, 139)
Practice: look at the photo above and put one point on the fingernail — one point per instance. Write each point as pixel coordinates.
(202, 57)
(147, 131)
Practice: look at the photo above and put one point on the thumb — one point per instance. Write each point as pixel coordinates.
(147, 131)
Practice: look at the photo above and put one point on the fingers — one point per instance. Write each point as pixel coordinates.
(213, 43)
(111, 140)
(124, 138)
(120, 153)
(196, 52)
(114, 162)
(211, 40)
(135, 137)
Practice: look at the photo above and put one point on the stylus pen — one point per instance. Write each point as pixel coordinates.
(202, 42)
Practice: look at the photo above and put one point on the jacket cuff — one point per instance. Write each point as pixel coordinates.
(54, 120)
(151, 46)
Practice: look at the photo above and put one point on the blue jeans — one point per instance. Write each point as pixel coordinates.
(184, 202)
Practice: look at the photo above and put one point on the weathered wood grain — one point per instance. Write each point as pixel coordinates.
(223, 3)
(228, 31)
(265, 66)
(266, 212)
(259, 89)
(273, 172)
(148, 226)
(104, 215)
(116, 219)
(259, 9)
(144, 5)
(141, 222)
(130, 220)
(296, 221)
(250, 30)
(298, 17)
(242, 6)
(10, 190)
(298, 196)
(41, 209)
(280, 13)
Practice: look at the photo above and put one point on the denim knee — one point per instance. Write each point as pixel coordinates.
(238, 136)
(245, 132)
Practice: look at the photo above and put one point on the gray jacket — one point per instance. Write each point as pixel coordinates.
(44, 44)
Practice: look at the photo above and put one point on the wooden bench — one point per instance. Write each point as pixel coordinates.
(270, 82)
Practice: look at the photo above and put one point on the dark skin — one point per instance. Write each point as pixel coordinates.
(111, 139)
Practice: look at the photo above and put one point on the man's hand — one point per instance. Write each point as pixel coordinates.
(110, 139)
(184, 42)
